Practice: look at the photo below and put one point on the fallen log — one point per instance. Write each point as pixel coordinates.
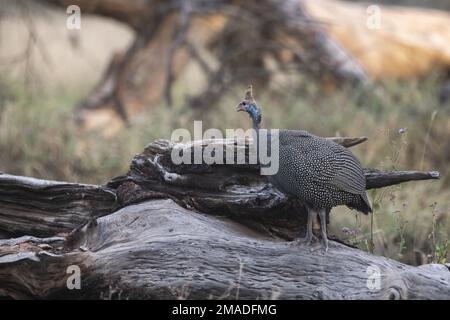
(404, 49)
(188, 231)
(159, 250)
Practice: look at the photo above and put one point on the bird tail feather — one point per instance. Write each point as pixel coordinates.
(366, 207)
(361, 204)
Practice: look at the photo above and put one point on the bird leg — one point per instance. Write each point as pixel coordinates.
(309, 227)
(323, 227)
(307, 240)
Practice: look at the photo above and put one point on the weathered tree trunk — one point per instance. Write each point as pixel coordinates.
(187, 231)
(159, 250)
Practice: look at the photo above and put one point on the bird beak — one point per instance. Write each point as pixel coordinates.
(239, 108)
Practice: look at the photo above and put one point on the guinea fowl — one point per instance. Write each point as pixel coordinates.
(317, 171)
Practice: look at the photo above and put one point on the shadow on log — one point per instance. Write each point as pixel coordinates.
(188, 231)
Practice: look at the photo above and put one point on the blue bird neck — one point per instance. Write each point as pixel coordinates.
(255, 114)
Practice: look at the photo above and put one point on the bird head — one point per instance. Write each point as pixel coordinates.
(249, 105)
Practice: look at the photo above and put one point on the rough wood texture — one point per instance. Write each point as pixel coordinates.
(158, 250)
(44, 208)
(166, 248)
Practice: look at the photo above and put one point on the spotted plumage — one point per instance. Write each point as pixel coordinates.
(318, 171)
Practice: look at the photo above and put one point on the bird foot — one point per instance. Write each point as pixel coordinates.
(323, 246)
(307, 241)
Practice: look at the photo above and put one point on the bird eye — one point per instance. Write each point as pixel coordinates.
(244, 103)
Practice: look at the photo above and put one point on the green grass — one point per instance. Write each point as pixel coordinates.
(410, 222)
